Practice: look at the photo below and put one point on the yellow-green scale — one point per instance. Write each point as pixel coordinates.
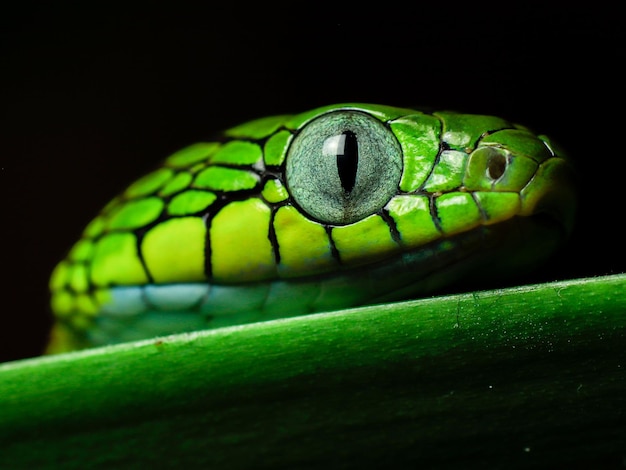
(240, 247)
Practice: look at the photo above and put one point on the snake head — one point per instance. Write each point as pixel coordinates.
(335, 207)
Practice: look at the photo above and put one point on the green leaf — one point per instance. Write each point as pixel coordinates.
(527, 377)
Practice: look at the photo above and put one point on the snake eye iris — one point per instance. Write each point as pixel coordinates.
(343, 166)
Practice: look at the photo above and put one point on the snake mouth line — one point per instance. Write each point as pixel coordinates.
(483, 254)
(483, 257)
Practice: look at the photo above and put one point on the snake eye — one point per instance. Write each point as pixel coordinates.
(343, 166)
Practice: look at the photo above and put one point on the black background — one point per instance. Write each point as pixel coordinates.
(92, 97)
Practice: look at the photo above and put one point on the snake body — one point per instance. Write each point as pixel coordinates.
(336, 207)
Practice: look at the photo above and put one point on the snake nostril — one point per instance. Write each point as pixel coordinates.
(496, 166)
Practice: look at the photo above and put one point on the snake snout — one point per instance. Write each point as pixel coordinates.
(551, 193)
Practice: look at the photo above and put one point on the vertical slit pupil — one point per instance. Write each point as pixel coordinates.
(347, 151)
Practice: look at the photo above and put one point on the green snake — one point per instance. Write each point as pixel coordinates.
(341, 206)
